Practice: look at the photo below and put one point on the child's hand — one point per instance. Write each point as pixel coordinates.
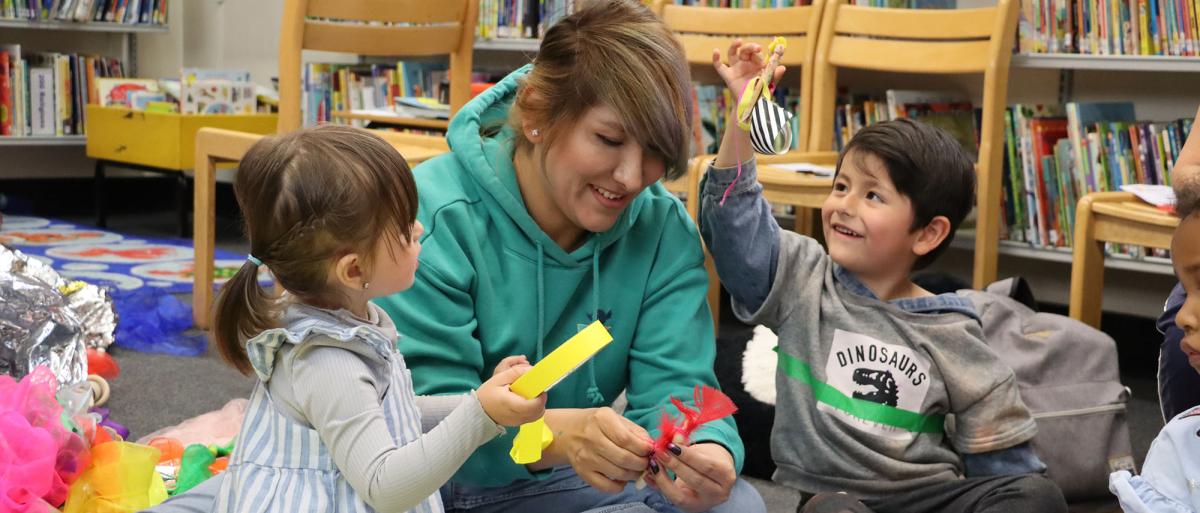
(510, 362)
(745, 62)
(503, 405)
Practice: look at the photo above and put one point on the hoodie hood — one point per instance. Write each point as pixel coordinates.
(482, 139)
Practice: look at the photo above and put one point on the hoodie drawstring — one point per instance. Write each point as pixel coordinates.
(593, 391)
(541, 303)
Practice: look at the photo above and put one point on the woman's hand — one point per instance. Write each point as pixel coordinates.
(745, 62)
(704, 476)
(605, 449)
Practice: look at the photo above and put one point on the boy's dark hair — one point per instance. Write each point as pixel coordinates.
(1187, 194)
(925, 164)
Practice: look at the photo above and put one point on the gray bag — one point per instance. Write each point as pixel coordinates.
(1068, 377)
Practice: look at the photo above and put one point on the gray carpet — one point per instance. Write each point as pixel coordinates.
(156, 391)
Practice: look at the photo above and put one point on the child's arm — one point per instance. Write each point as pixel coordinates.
(1018, 459)
(435, 408)
(736, 222)
(742, 235)
(991, 422)
(336, 391)
(738, 227)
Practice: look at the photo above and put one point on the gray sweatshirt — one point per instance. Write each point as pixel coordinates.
(873, 397)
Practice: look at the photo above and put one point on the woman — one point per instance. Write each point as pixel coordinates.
(547, 215)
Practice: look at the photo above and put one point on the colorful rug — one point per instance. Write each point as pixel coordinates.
(113, 260)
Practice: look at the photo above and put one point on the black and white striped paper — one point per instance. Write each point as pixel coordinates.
(770, 128)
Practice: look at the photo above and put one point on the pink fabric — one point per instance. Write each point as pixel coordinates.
(39, 457)
(212, 428)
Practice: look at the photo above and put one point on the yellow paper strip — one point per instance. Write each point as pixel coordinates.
(536, 436)
(562, 361)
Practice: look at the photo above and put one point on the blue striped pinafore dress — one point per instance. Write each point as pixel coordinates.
(280, 465)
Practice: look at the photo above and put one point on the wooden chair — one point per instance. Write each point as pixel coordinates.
(924, 41)
(461, 54)
(445, 27)
(699, 30)
(1109, 217)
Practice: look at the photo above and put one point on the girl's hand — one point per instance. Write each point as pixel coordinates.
(510, 362)
(503, 405)
(745, 62)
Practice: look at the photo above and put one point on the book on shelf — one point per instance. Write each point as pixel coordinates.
(45, 94)
(126, 12)
(216, 91)
(948, 110)
(1056, 155)
(7, 89)
(710, 102)
(766, 4)
(116, 92)
(513, 19)
(506, 19)
(405, 88)
(1110, 27)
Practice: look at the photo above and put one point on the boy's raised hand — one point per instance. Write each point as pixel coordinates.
(503, 405)
(745, 62)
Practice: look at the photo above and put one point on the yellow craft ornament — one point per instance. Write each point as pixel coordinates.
(536, 436)
(760, 84)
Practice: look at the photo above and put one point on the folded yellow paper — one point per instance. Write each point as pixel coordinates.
(535, 436)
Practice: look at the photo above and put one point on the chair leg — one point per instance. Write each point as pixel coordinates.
(203, 238)
(803, 223)
(181, 203)
(101, 207)
(1087, 268)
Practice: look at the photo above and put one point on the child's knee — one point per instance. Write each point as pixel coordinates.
(1040, 494)
(833, 503)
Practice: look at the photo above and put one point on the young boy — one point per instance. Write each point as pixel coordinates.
(1169, 477)
(885, 391)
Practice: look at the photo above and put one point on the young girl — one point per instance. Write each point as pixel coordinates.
(333, 424)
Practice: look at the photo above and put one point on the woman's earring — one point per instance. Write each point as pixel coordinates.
(366, 285)
(535, 132)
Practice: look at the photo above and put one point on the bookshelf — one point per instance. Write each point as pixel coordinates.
(965, 240)
(1126, 63)
(11, 28)
(76, 26)
(503, 44)
(44, 140)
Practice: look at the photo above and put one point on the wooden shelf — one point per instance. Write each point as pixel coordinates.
(91, 26)
(44, 140)
(966, 240)
(508, 45)
(399, 121)
(1140, 63)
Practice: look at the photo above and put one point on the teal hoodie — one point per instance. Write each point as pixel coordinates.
(491, 284)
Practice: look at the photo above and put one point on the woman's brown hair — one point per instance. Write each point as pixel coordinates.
(619, 54)
(308, 198)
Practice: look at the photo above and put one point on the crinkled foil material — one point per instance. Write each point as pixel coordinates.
(46, 320)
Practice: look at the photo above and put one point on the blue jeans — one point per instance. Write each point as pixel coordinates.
(1178, 382)
(564, 491)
